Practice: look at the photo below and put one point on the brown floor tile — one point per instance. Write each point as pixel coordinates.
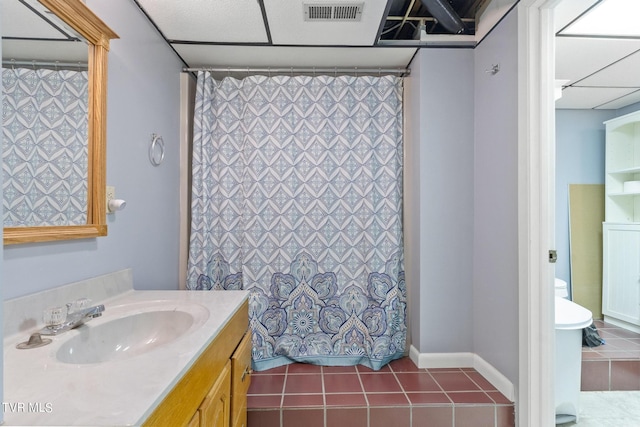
(432, 416)
(389, 417)
(261, 401)
(623, 344)
(454, 381)
(303, 417)
(346, 399)
(263, 418)
(469, 397)
(417, 381)
(342, 383)
(421, 398)
(480, 381)
(474, 416)
(387, 399)
(302, 400)
(351, 417)
(404, 365)
(505, 416)
(303, 383)
(619, 332)
(266, 384)
(625, 375)
(498, 397)
(381, 382)
(595, 375)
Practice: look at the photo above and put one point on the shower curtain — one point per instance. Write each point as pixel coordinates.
(296, 197)
(45, 151)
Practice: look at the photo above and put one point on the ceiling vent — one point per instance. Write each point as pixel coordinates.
(333, 12)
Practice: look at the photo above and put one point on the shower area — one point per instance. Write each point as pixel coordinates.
(296, 196)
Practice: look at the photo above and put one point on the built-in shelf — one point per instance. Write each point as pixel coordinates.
(621, 229)
(623, 194)
(625, 171)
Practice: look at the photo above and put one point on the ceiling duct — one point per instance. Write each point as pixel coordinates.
(445, 15)
(333, 12)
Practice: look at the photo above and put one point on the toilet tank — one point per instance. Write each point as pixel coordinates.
(561, 288)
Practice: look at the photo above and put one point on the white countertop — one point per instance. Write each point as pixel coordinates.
(40, 390)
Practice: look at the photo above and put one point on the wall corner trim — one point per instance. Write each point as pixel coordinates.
(464, 360)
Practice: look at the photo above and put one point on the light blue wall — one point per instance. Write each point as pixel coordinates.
(495, 245)
(580, 137)
(143, 98)
(439, 199)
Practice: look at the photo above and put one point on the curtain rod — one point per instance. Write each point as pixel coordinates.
(14, 63)
(314, 70)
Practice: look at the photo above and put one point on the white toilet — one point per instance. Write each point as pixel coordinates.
(571, 318)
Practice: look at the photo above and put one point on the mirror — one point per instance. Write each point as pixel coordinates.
(54, 154)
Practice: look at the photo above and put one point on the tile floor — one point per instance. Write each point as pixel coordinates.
(615, 365)
(608, 409)
(399, 395)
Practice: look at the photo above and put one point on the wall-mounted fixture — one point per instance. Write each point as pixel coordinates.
(156, 150)
(113, 204)
(495, 69)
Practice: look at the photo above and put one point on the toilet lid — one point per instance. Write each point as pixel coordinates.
(570, 315)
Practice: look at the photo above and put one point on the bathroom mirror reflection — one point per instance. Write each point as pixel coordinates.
(45, 118)
(54, 55)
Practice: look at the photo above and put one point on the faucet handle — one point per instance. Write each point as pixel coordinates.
(79, 304)
(54, 317)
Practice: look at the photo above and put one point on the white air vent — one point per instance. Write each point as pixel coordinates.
(333, 12)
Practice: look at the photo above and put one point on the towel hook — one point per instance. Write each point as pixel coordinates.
(156, 150)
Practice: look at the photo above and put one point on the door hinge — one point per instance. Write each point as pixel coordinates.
(553, 256)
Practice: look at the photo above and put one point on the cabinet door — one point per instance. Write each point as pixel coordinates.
(214, 410)
(240, 380)
(195, 421)
(621, 278)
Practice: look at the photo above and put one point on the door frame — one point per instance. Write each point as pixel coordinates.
(536, 145)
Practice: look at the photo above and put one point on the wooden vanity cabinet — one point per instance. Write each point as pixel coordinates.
(215, 408)
(240, 380)
(213, 393)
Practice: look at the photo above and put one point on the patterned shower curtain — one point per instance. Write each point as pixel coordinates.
(297, 195)
(45, 152)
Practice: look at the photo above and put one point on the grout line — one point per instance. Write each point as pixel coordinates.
(324, 397)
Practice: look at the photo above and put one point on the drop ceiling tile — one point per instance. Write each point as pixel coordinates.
(589, 97)
(293, 56)
(579, 57)
(624, 73)
(222, 21)
(288, 27)
(20, 21)
(567, 11)
(632, 98)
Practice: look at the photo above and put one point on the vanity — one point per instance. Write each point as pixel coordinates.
(153, 358)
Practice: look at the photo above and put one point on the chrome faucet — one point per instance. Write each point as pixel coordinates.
(75, 317)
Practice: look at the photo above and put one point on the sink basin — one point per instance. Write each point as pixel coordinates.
(126, 336)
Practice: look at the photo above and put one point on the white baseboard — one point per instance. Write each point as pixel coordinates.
(464, 360)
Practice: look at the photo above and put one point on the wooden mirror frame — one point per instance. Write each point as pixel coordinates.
(79, 17)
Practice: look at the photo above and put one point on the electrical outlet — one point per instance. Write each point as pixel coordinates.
(111, 194)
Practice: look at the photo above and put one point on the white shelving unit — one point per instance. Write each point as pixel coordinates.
(621, 229)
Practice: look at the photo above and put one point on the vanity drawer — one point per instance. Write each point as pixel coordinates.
(240, 381)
